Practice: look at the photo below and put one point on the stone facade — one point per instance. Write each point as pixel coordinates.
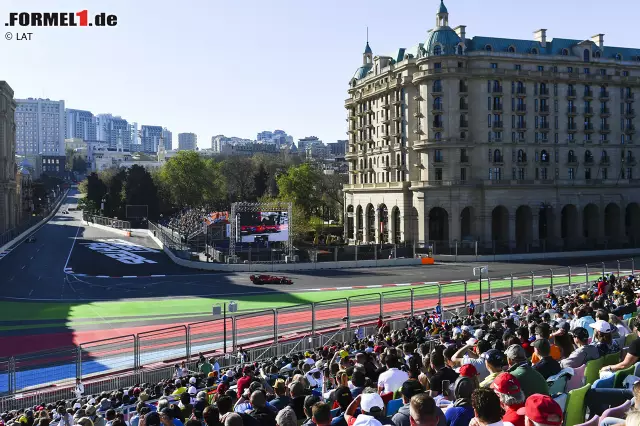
(8, 169)
(511, 143)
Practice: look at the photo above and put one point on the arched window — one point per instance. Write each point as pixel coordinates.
(586, 55)
(571, 156)
(497, 156)
(437, 86)
(438, 136)
(460, 50)
(387, 162)
(437, 103)
(565, 52)
(512, 49)
(534, 51)
(463, 135)
(603, 154)
(520, 86)
(521, 155)
(588, 156)
(463, 103)
(437, 50)
(618, 57)
(488, 48)
(544, 156)
(596, 54)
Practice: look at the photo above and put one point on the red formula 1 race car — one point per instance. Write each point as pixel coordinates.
(269, 279)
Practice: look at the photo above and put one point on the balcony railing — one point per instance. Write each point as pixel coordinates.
(588, 94)
(604, 94)
(522, 91)
(629, 97)
(571, 110)
(464, 123)
(496, 89)
(521, 108)
(464, 159)
(464, 107)
(544, 109)
(588, 127)
(605, 111)
(588, 111)
(572, 127)
(605, 128)
(497, 125)
(630, 113)
(464, 88)
(605, 161)
(571, 94)
(521, 126)
(496, 107)
(543, 125)
(544, 91)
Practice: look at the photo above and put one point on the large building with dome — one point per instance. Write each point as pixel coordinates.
(515, 144)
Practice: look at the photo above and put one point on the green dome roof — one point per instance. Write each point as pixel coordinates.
(443, 8)
(444, 37)
(362, 72)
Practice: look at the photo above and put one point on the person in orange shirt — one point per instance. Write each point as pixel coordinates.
(543, 331)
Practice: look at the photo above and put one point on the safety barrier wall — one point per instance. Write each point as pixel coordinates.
(274, 332)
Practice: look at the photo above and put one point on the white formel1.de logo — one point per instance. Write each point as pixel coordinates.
(122, 251)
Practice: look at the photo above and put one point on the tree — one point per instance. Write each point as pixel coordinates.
(140, 189)
(261, 181)
(332, 197)
(301, 185)
(239, 177)
(96, 189)
(114, 180)
(190, 180)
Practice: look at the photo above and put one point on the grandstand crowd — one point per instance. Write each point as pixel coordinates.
(187, 221)
(524, 365)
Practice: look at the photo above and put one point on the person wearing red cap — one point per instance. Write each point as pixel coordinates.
(541, 410)
(507, 387)
(470, 371)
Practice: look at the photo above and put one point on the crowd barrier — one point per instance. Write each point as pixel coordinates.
(110, 222)
(147, 357)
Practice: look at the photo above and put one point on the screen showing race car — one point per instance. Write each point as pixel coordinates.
(258, 225)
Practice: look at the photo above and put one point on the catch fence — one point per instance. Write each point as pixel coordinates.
(150, 356)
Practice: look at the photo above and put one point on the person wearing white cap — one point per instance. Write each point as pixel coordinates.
(603, 339)
(371, 408)
(79, 389)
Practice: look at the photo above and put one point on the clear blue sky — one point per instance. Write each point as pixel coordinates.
(239, 67)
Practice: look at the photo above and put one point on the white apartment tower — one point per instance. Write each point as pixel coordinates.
(514, 144)
(79, 124)
(113, 130)
(40, 126)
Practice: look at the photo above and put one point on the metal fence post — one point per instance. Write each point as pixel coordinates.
(618, 263)
(348, 324)
(511, 278)
(275, 326)
(136, 353)
(313, 318)
(412, 310)
(356, 253)
(335, 254)
(465, 292)
(234, 334)
(188, 340)
(569, 270)
(440, 295)
(633, 266)
(375, 252)
(603, 270)
(586, 273)
(381, 304)
(489, 290)
(532, 283)
(79, 362)
(551, 289)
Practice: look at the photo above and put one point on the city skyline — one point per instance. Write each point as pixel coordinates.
(321, 59)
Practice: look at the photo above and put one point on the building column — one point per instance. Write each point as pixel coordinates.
(486, 237)
(535, 229)
(378, 238)
(512, 230)
(423, 228)
(580, 236)
(454, 224)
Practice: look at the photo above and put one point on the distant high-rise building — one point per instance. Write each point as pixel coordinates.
(187, 141)
(79, 124)
(277, 137)
(150, 136)
(39, 126)
(338, 148)
(8, 198)
(167, 136)
(134, 131)
(219, 141)
(113, 130)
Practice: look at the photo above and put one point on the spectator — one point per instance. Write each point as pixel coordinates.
(259, 411)
(543, 331)
(392, 379)
(321, 414)
(530, 380)
(409, 389)
(423, 411)
(296, 390)
(471, 353)
(309, 402)
(583, 353)
(487, 409)
(342, 395)
(286, 417)
(494, 360)
(603, 339)
(541, 410)
(371, 411)
(282, 399)
(633, 354)
(211, 416)
(442, 373)
(507, 387)
(547, 366)
(244, 381)
(461, 413)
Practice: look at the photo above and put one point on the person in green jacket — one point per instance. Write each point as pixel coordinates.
(530, 380)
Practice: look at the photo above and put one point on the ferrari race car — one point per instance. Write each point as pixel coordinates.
(269, 279)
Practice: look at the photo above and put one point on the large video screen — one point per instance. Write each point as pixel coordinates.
(264, 226)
